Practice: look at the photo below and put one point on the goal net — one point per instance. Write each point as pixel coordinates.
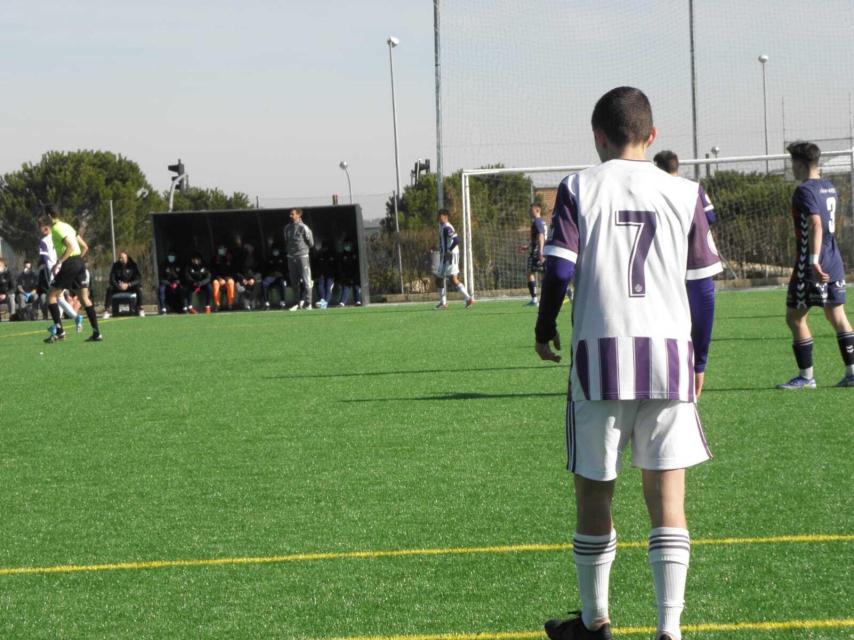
(752, 197)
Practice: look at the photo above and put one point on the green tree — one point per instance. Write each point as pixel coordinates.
(81, 184)
(196, 199)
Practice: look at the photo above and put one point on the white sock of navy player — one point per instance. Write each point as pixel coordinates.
(462, 289)
(669, 552)
(443, 295)
(67, 309)
(594, 556)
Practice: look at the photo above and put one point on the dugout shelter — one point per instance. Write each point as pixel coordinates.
(186, 232)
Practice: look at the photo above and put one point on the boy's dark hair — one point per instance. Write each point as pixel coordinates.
(51, 210)
(45, 221)
(444, 212)
(805, 152)
(624, 115)
(667, 161)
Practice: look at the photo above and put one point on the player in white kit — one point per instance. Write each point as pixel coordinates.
(636, 242)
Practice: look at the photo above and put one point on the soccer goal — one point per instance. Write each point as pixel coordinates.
(751, 194)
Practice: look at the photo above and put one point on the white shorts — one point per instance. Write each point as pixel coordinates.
(665, 434)
(451, 268)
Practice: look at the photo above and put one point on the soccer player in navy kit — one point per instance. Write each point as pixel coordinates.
(818, 279)
(636, 242)
(536, 259)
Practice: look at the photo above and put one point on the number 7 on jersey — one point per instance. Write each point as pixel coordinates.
(645, 221)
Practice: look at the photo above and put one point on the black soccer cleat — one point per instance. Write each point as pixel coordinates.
(95, 337)
(574, 629)
(55, 337)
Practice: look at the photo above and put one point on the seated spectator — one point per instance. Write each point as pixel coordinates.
(348, 275)
(170, 292)
(197, 279)
(275, 272)
(125, 277)
(7, 288)
(324, 266)
(248, 278)
(27, 287)
(222, 276)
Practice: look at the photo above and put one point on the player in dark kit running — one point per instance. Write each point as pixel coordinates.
(818, 279)
(69, 272)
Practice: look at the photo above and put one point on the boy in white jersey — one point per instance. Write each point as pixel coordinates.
(449, 265)
(631, 236)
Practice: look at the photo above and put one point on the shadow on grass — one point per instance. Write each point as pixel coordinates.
(359, 374)
(461, 395)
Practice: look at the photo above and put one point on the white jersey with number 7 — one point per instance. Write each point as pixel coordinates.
(635, 234)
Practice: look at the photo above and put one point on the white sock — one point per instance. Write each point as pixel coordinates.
(806, 373)
(66, 308)
(443, 296)
(462, 289)
(849, 370)
(594, 556)
(669, 552)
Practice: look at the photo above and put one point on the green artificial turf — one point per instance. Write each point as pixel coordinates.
(389, 428)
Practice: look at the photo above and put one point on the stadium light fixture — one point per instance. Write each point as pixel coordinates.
(763, 60)
(344, 165)
(392, 42)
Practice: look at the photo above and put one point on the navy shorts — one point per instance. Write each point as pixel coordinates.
(534, 264)
(803, 294)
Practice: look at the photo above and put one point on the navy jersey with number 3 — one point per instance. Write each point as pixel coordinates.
(818, 197)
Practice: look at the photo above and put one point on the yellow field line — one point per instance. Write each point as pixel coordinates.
(41, 332)
(842, 623)
(394, 553)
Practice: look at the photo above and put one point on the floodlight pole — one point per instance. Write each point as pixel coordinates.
(694, 87)
(392, 42)
(113, 230)
(763, 59)
(175, 182)
(440, 187)
(345, 166)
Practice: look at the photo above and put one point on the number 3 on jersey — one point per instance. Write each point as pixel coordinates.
(645, 223)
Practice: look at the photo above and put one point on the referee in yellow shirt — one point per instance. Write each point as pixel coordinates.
(69, 272)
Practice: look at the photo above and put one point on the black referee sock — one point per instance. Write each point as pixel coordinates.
(53, 307)
(93, 318)
(532, 287)
(846, 346)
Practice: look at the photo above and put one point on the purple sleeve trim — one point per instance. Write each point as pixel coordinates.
(701, 299)
(553, 289)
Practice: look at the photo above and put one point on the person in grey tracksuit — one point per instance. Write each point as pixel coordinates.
(298, 241)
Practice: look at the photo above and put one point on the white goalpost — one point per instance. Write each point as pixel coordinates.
(753, 229)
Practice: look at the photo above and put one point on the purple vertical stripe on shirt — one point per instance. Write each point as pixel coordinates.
(583, 369)
(672, 369)
(643, 364)
(691, 397)
(609, 370)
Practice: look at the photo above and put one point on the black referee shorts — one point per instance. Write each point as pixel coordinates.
(72, 274)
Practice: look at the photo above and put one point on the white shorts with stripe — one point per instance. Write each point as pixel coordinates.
(452, 267)
(665, 434)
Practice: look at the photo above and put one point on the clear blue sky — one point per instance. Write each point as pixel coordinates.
(267, 97)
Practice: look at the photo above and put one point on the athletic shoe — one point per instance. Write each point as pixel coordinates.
(55, 336)
(78, 324)
(283, 305)
(470, 302)
(294, 308)
(266, 305)
(798, 382)
(192, 311)
(358, 303)
(95, 337)
(847, 381)
(574, 629)
(106, 315)
(141, 313)
(162, 311)
(341, 304)
(441, 307)
(184, 310)
(531, 303)
(208, 310)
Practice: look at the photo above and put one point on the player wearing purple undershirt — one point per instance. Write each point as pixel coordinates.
(637, 244)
